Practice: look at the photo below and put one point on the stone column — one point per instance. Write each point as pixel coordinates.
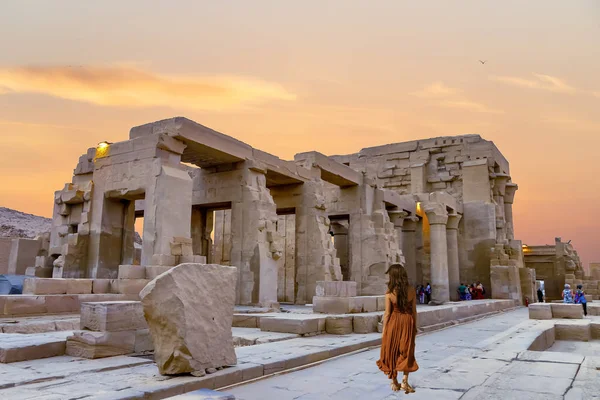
(409, 248)
(397, 218)
(438, 217)
(453, 264)
(509, 197)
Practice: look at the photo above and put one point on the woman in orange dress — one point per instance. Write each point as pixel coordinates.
(399, 329)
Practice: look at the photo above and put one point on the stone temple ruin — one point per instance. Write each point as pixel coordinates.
(441, 206)
(240, 250)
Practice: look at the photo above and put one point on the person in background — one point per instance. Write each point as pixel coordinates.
(540, 295)
(580, 298)
(428, 293)
(567, 294)
(479, 291)
(462, 291)
(421, 294)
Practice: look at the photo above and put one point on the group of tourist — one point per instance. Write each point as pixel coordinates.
(575, 297)
(424, 293)
(475, 291)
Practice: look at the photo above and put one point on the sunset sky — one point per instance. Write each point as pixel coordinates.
(332, 76)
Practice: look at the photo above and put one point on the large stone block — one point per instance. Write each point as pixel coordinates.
(100, 286)
(302, 325)
(45, 286)
(540, 311)
(132, 272)
(579, 332)
(365, 323)
(331, 305)
(570, 311)
(128, 286)
(57, 304)
(152, 271)
(339, 325)
(143, 341)
(245, 321)
(336, 289)
(91, 345)
(113, 316)
(79, 286)
(24, 305)
(189, 311)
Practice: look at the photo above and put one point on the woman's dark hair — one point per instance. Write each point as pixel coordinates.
(398, 285)
(579, 286)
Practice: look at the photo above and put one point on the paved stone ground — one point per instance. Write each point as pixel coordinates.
(452, 366)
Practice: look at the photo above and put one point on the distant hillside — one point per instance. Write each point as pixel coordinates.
(14, 223)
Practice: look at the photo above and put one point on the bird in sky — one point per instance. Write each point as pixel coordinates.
(483, 62)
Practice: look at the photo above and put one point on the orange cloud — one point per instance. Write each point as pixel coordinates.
(470, 106)
(126, 86)
(542, 82)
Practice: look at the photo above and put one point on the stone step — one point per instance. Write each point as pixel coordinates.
(298, 324)
(19, 347)
(41, 325)
(20, 305)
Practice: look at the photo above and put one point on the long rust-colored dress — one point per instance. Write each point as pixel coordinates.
(399, 333)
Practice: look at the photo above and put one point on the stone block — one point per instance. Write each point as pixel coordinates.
(381, 303)
(79, 286)
(39, 272)
(577, 332)
(113, 316)
(24, 305)
(195, 259)
(540, 311)
(152, 271)
(569, 311)
(299, 326)
(331, 305)
(44, 286)
(92, 345)
(189, 311)
(132, 272)
(365, 323)
(100, 286)
(336, 289)
(245, 321)
(143, 341)
(339, 325)
(31, 347)
(59, 304)
(165, 260)
(360, 304)
(128, 286)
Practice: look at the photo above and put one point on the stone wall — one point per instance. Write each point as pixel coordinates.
(5, 246)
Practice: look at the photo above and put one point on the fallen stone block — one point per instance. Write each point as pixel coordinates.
(540, 311)
(339, 325)
(189, 311)
(569, 311)
(365, 323)
(336, 289)
(41, 286)
(79, 286)
(132, 272)
(113, 316)
(578, 332)
(88, 344)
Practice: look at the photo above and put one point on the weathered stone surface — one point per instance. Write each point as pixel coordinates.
(300, 324)
(132, 272)
(245, 321)
(569, 311)
(189, 311)
(88, 344)
(79, 286)
(101, 286)
(44, 286)
(336, 289)
(19, 347)
(128, 286)
(143, 341)
(540, 311)
(580, 332)
(152, 271)
(339, 325)
(113, 316)
(365, 323)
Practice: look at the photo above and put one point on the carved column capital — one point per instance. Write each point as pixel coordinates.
(436, 213)
(397, 217)
(410, 223)
(453, 220)
(500, 182)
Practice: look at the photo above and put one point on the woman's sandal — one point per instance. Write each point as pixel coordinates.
(406, 387)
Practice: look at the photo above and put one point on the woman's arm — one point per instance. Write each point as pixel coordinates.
(388, 310)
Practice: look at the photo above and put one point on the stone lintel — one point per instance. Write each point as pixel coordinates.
(331, 171)
(404, 202)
